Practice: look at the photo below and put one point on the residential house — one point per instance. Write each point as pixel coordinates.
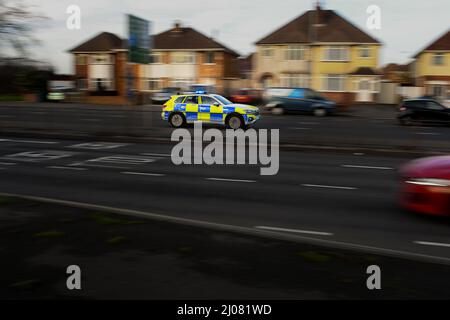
(323, 51)
(183, 56)
(432, 68)
(180, 57)
(100, 67)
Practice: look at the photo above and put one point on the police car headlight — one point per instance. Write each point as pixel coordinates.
(251, 111)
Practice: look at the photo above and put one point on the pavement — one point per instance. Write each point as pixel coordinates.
(343, 200)
(130, 257)
(367, 127)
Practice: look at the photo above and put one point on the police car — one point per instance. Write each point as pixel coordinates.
(208, 108)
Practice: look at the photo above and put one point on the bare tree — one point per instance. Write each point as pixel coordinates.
(18, 20)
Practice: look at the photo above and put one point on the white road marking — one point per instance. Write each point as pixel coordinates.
(28, 141)
(308, 123)
(366, 167)
(98, 145)
(144, 174)
(435, 244)
(317, 233)
(359, 154)
(119, 159)
(428, 133)
(36, 156)
(329, 187)
(156, 154)
(297, 128)
(230, 180)
(67, 168)
(7, 164)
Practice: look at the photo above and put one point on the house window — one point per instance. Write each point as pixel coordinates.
(336, 53)
(100, 59)
(156, 57)
(364, 52)
(438, 59)
(81, 59)
(183, 57)
(334, 82)
(295, 80)
(267, 52)
(295, 53)
(209, 57)
(153, 84)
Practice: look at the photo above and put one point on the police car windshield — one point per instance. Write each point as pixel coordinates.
(222, 100)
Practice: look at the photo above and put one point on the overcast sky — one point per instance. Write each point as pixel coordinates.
(406, 25)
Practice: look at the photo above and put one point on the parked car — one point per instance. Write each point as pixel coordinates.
(247, 96)
(298, 100)
(423, 110)
(165, 94)
(425, 185)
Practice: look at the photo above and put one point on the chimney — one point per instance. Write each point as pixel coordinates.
(177, 26)
(318, 13)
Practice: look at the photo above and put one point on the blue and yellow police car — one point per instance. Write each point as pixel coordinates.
(209, 108)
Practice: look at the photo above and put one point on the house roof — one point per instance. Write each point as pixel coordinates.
(364, 71)
(318, 26)
(442, 43)
(104, 41)
(185, 38)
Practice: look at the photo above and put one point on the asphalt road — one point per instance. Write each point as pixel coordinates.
(346, 198)
(369, 130)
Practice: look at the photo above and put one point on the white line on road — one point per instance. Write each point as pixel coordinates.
(67, 168)
(317, 233)
(366, 167)
(435, 244)
(144, 174)
(298, 128)
(329, 187)
(428, 133)
(28, 141)
(156, 154)
(230, 180)
(7, 164)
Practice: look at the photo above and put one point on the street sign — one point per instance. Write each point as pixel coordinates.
(139, 43)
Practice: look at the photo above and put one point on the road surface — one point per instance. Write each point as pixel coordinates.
(345, 198)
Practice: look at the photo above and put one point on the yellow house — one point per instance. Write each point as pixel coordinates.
(323, 51)
(432, 68)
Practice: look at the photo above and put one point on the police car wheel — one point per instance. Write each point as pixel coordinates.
(235, 122)
(177, 120)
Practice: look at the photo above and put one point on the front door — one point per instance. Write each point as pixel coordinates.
(364, 93)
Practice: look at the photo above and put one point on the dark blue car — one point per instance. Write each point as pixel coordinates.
(298, 100)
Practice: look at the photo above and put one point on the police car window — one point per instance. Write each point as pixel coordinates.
(208, 100)
(179, 99)
(222, 100)
(191, 99)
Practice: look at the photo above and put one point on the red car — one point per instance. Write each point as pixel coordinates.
(247, 96)
(426, 185)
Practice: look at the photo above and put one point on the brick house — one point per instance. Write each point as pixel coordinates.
(183, 56)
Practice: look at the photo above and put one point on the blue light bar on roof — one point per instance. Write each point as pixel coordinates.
(200, 92)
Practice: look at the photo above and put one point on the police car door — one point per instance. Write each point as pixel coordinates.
(214, 109)
(191, 108)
